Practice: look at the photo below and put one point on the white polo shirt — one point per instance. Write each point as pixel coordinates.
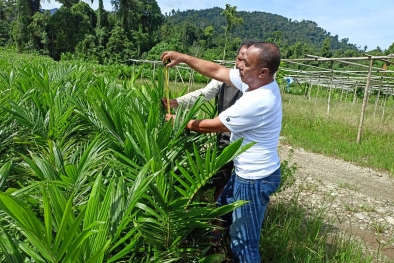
(255, 117)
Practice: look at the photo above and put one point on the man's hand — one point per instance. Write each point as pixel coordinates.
(172, 58)
(204, 67)
(173, 103)
(170, 117)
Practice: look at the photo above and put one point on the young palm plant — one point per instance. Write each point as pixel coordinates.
(102, 177)
(132, 118)
(66, 232)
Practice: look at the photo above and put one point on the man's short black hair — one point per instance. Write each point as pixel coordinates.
(248, 43)
(269, 56)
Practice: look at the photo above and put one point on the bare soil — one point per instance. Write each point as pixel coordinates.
(359, 200)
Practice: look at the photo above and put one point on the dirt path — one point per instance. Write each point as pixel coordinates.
(358, 199)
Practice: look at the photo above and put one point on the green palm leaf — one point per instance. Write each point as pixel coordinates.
(27, 222)
(9, 247)
(4, 172)
(197, 171)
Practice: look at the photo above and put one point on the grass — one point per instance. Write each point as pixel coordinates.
(346, 185)
(294, 233)
(308, 126)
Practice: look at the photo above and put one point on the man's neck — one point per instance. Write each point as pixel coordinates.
(260, 84)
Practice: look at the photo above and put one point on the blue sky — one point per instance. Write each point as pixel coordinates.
(364, 23)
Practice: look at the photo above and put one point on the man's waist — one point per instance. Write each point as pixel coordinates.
(224, 138)
(250, 173)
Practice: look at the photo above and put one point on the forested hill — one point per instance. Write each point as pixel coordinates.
(141, 31)
(264, 26)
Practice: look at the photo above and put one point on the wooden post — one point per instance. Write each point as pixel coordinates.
(340, 99)
(180, 75)
(192, 78)
(310, 89)
(317, 92)
(355, 93)
(306, 88)
(154, 69)
(365, 101)
(190, 81)
(377, 98)
(329, 94)
(384, 106)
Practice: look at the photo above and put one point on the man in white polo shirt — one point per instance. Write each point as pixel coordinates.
(255, 117)
(226, 97)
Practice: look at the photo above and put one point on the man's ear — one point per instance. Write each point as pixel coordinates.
(264, 73)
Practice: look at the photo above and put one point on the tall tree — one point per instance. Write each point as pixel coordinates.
(100, 12)
(4, 30)
(146, 29)
(326, 52)
(38, 29)
(34, 6)
(140, 20)
(68, 3)
(119, 48)
(61, 32)
(151, 20)
(390, 50)
(19, 26)
(326, 48)
(140, 38)
(7, 13)
(208, 33)
(297, 50)
(126, 13)
(232, 22)
(189, 34)
(85, 20)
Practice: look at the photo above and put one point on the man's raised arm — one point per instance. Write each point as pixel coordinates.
(204, 67)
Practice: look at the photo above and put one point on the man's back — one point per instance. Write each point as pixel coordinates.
(226, 98)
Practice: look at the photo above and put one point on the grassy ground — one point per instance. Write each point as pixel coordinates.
(306, 124)
(294, 234)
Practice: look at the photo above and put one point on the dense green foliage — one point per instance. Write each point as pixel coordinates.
(264, 26)
(91, 172)
(77, 30)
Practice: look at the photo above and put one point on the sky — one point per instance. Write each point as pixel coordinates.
(364, 22)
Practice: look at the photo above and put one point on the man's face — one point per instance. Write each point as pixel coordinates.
(240, 56)
(249, 69)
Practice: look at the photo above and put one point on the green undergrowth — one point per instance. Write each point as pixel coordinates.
(307, 125)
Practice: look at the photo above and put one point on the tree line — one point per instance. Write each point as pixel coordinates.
(137, 29)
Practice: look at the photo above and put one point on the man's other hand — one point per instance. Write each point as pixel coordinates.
(173, 103)
(170, 117)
